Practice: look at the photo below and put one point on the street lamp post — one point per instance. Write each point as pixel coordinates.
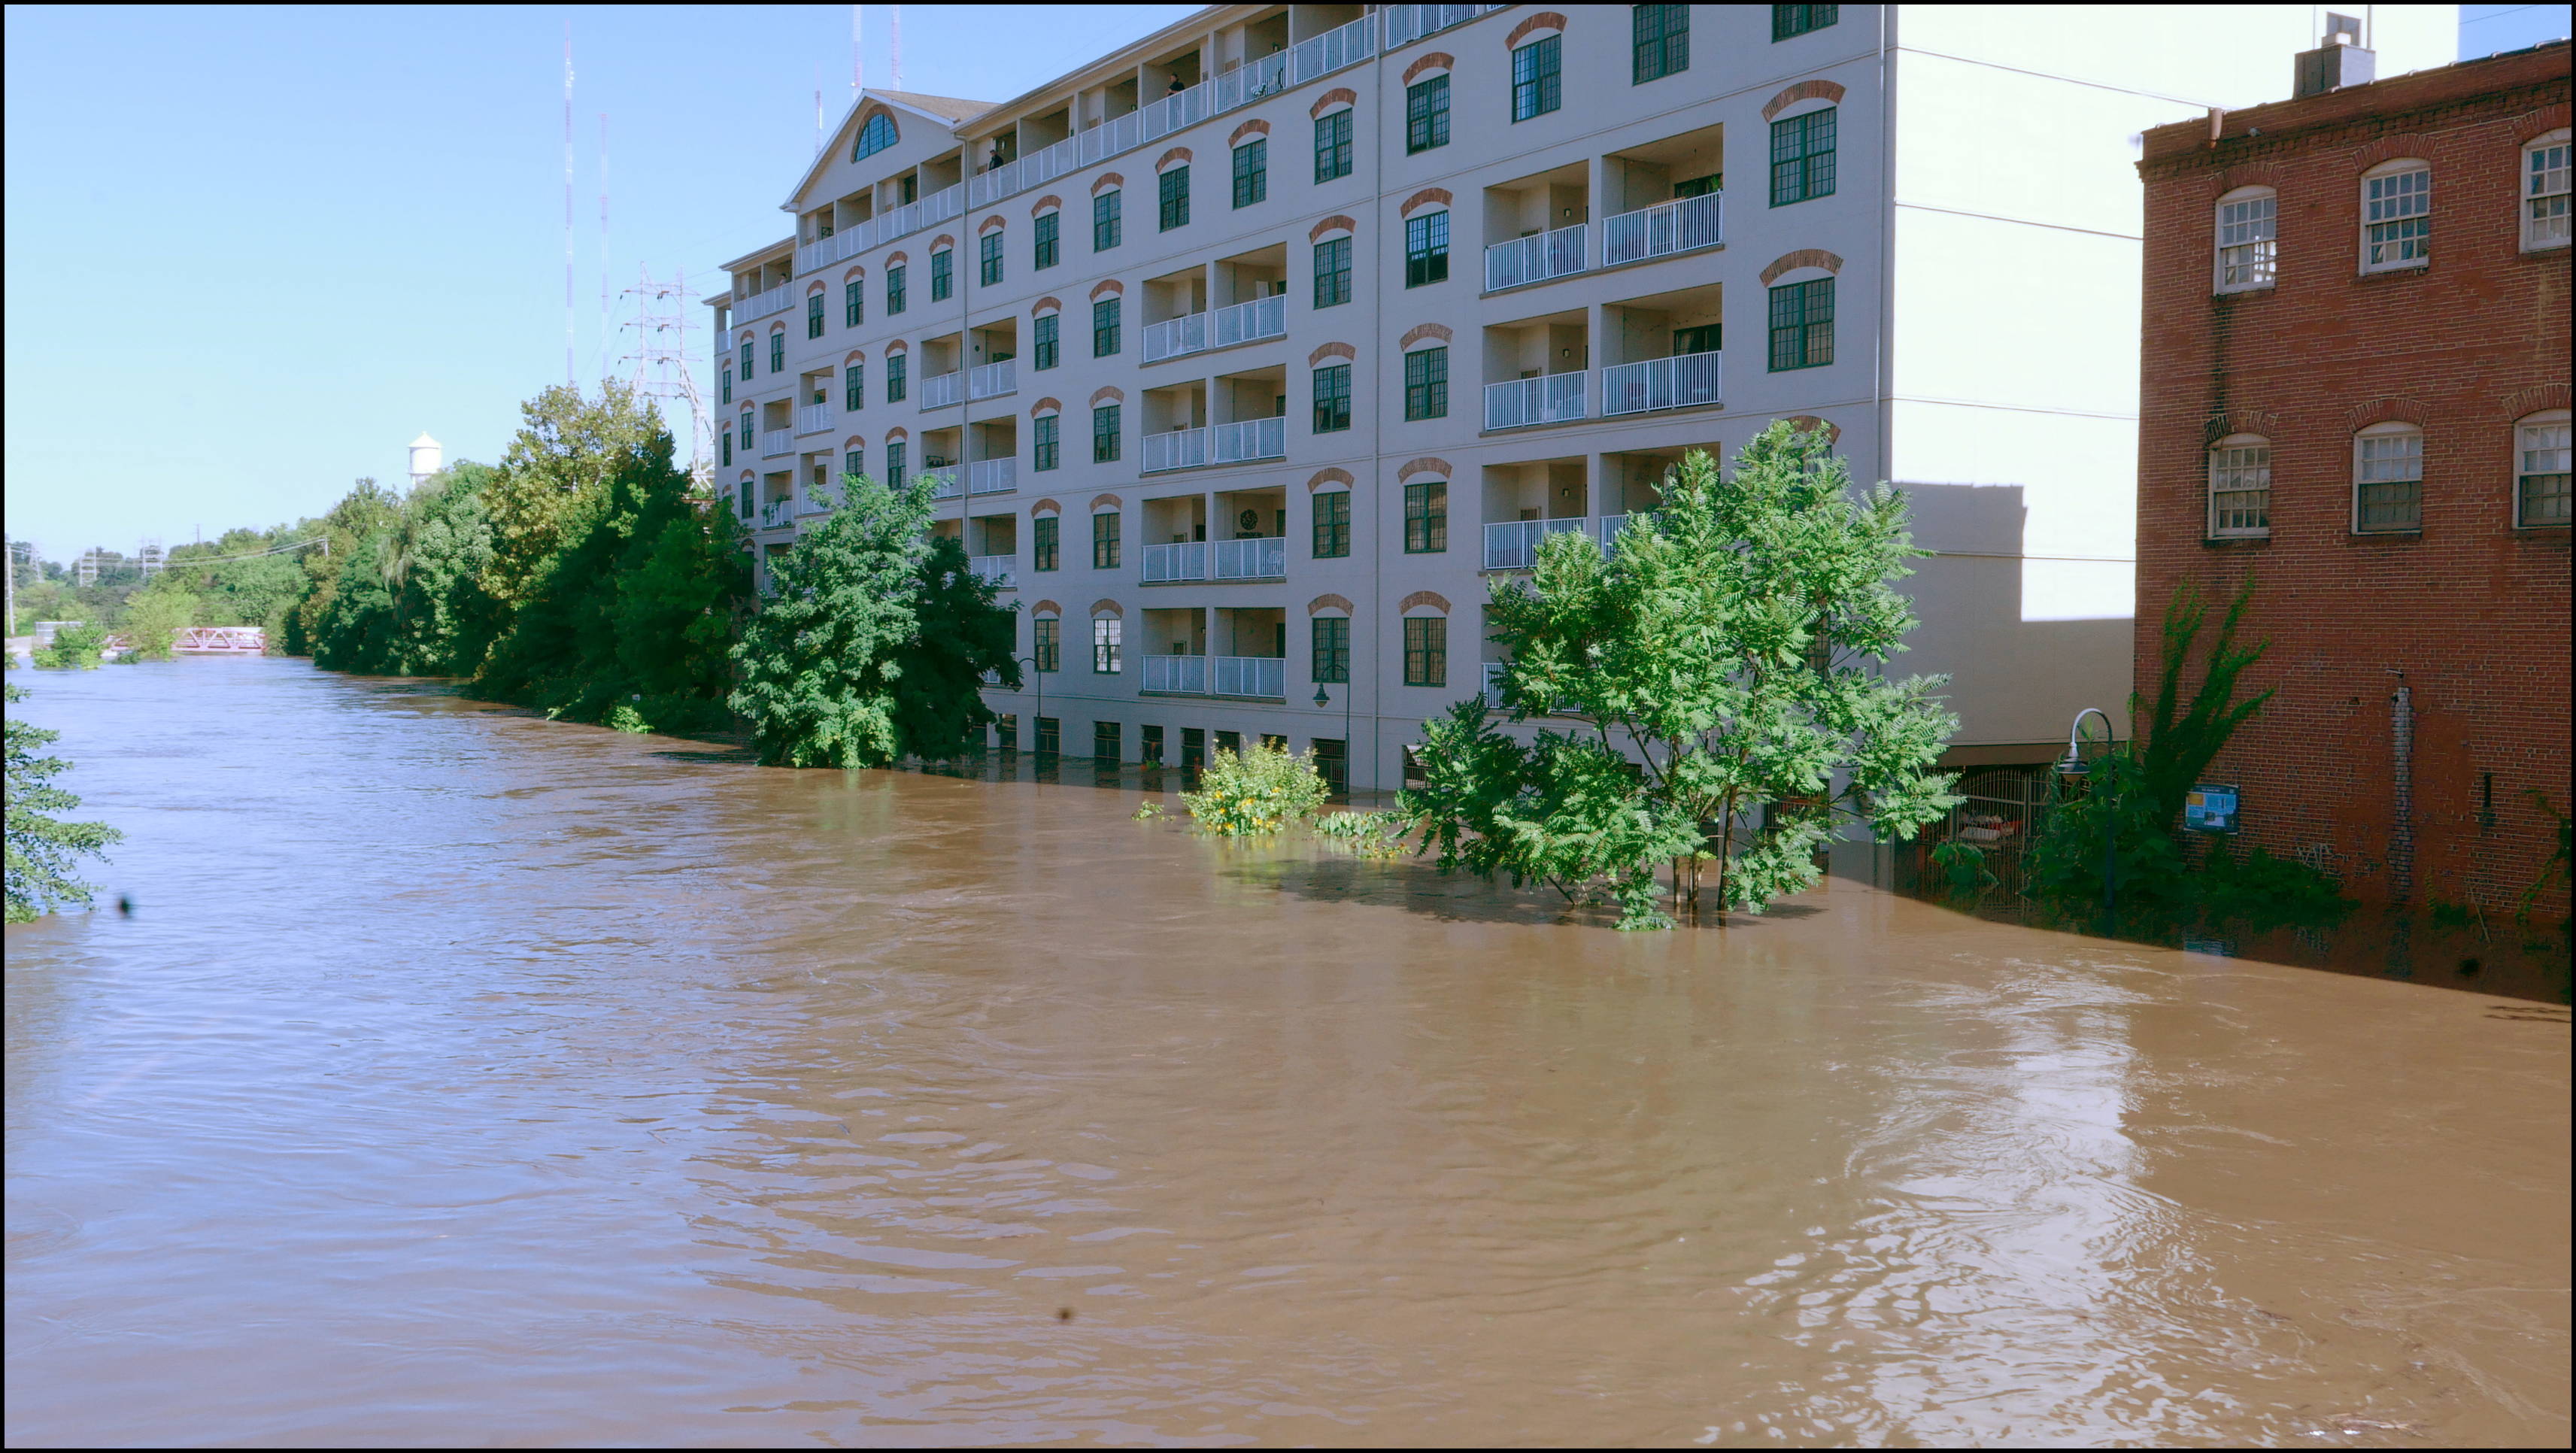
(2073, 767)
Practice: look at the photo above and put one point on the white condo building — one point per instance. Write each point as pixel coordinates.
(1247, 355)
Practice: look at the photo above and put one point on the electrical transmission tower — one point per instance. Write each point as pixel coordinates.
(660, 365)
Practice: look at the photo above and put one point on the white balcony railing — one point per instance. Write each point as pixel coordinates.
(777, 514)
(1662, 383)
(1607, 529)
(1493, 685)
(1250, 322)
(943, 482)
(938, 207)
(1659, 231)
(993, 476)
(1252, 559)
(1175, 336)
(774, 442)
(1250, 439)
(813, 418)
(1513, 544)
(1535, 259)
(940, 390)
(809, 504)
(1186, 675)
(992, 380)
(823, 252)
(1406, 24)
(1518, 403)
(1173, 449)
(1002, 570)
(761, 305)
(1247, 676)
(1165, 564)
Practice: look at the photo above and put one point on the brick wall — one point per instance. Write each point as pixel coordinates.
(2471, 610)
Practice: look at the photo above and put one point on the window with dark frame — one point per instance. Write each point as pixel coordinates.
(1332, 146)
(1104, 742)
(1042, 453)
(1047, 248)
(1426, 248)
(1426, 114)
(1046, 347)
(777, 350)
(1794, 20)
(1252, 172)
(724, 385)
(854, 462)
(989, 262)
(854, 387)
(746, 499)
(894, 289)
(1106, 632)
(1106, 223)
(746, 428)
(854, 302)
(1332, 524)
(1104, 327)
(1332, 272)
(1332, 653)
(1426, 650)
(1802, 325)
(1104, 540)
(1105, 434)
(1173, 192)
(747, 374)
(1802, 157)
(896, 366)
(874, 137)
(1426, 384)
(897, 462)
(1535, 80)
(1044, 553)
(724, 438)
(1426, 518)
(1661, 35)
(943, 274)
(1047, 644)
(1332, 398)
(813, 315)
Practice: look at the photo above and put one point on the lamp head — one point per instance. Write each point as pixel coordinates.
(1323, 698)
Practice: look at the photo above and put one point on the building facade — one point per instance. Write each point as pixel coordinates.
(1249, 354)
(2355, 400)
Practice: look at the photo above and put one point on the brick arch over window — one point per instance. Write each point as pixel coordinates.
(991, 224)
(1437, 60)
(942, 240)
(777, 327)
(1108, 288)
(2256, 175)
(1109, 395)
(749, 335)
(1042, 304)
(1811, 424)
(1544, 20)
(1249, 128)
(857, 355)
(1424, 198)
(1108, 608)
(1338, 96)
(1420, 331)
(897, 346)
(1106, 181)
(1108, 500)
(1431, 598)
(855, 441)
(813, 288)
(2393, 148)
(2240, 421)
(1336, 223)
(1046, 506)
(896, 259)
(1038, 207)
(2388, 409)
(1046, 607)
(2535, 400)
(2531, 125)
(897, 435)
(1330, 476)
(1803, 91)
(1179, 154)
(1327, 602)
(1332, 350)
(856, 274)
(1424, 465)
(1042, 405)
(1803, 257)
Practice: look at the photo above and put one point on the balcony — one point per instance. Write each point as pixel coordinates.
(1173, 449)
(1175, 336)
(943, 482)
(1663, 230)
(777, 514)
(943, 390)
(1558, 398)
(1176, 675)
(1679, 382)
(1172, 564)
(993, 476)
(992, 380)
(1526, 260)
(1406, 24)
(938, 207)
(1513, 544)
(1248, 676)
(1251, 559)
(809, 505)
(1224, 328)
(813, 418)
(1002, 570)
(774, 442)
(761, 305)
(823, 252)
(1248, 440)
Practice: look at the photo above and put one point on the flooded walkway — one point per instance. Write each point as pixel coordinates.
(462, 1077)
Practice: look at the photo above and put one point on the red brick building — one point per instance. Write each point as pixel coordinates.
(2355, 395)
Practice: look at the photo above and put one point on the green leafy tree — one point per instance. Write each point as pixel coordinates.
(557, 476)
(446, 618)
(1256, 791)
(367, 511)
(75, 648)
(870, 642)
(155, 617)
(1722, 664)
(42, 848)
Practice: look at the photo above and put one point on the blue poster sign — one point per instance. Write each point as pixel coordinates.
(2210, 808)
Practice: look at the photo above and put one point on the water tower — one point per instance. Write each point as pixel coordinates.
(425, 456)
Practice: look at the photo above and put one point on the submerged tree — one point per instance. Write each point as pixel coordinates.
(1722, 666)
(42, 848)
(872, 640)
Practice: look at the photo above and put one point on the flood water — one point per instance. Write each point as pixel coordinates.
(465, 1078)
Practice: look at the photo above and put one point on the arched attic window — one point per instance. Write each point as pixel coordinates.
(873, 137)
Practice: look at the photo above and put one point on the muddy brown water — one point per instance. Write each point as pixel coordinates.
(465, 1078)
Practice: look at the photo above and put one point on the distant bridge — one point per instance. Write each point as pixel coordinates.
(221, 641)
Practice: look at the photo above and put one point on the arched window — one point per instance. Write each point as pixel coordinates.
(744, 489)
(2248, 220)
(2240, 487)
(1804, 155)
(874, 137)
(2540, 469)
(2396, 216)
(2544, 191)
(2388, 478)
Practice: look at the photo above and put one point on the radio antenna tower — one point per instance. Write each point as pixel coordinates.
(858, 52)
(894, 62)
(660, 360)
(571, 379)
(603, 234)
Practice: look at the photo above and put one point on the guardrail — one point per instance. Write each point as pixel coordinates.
(761, 305)
(1247, 676)
(1264, 559)
(1250, 322)
(1002, 570)
(943, 482)
(992, 380)
(1172, 449)
(777, 514)
(1662, 383)
(1664, 229)
(1513, 544)
(1525, 260)
(1168, 564)
(1179, 675)
(1406, 24)
(993, 476)
(943, 390)
(1250, 439)
(774, 442)
(1518, 403)
(1173, 337)
(813, 418)
(938, 207)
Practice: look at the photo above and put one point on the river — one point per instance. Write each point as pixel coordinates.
(460, 1077)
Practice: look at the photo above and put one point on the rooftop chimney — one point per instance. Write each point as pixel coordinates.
(2339, 62)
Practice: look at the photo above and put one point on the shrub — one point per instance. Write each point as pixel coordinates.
(1257, 790)
(75, 648)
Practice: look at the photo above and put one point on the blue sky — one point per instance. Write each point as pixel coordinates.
(252, 253)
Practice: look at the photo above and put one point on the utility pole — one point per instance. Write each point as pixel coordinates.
(660, 360)
(603, 233)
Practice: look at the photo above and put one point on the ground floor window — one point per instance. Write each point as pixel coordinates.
(1006, 733)
(1230, 742)
(1104, 742)
(1193, 748)
(1050, 736)
(1332, 763)
(1149, 745)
